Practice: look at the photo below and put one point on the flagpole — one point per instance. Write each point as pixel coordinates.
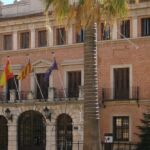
(60, 78)
(38, 85)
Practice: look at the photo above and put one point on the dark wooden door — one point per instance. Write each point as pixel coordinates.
(121, 83)
(74, 81)
(43, 86)
(3, 133)
(12, 85)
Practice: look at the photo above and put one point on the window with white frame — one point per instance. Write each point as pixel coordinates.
(73, 83)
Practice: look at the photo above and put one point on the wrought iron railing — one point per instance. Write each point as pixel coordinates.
(121, 94)
(66, 93)
(118, 146)
(55, 95)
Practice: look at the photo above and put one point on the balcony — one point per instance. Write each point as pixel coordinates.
(54, 95)
(118, 146)
(109, 94)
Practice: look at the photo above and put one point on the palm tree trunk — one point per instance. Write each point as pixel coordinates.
(91, 123)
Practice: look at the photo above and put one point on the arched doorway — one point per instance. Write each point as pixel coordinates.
(31, 131)
(3, 133)
(64, 132)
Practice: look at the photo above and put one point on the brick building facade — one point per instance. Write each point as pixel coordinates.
(33, 121)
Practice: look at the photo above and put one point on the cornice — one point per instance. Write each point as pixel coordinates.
(105, 43)
(35, 50)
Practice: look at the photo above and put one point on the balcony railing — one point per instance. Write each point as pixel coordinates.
(54, 94)
(120, 94)
(118, 146)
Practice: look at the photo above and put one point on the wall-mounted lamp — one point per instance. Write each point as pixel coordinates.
(47, 113)
(8, 114)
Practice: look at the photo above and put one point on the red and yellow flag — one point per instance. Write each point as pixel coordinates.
(6, 74)
(25, 71)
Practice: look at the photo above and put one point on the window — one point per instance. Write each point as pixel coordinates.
(131, 1)
(74, 81)
(80, 36)
(11, 85)
(42, 38)
(105, 32)
(43, 85)
(60, 36)
(121, 128)
(7, 42)
(143, 1)
(125, 29)
(24, 40)
(121, 83)
(145, 26)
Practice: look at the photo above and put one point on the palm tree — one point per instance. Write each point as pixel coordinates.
(87, 13)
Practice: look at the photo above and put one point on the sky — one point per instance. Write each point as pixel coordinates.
(7, 1)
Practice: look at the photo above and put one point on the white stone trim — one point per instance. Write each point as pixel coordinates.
(114, 30)
(32, 38)
(135, 27)
(66, 70)
(72, 62)
(70, 35)
(112, 77)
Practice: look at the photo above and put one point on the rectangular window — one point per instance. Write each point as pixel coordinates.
(121, 128)
(43, 85)
(60, 36)
(125, 29)
(121, 83)
(42, 38)
(131, 1)
(7, 42)
(74, 81)
(24, 40)
(141, 1)
(11, 85)
(80, 36)
(105, 32)
(145, 26)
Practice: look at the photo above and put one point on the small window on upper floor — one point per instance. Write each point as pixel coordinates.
(125, 29)
(141, 1)
(24, 40)
(131, 1)
(42, 38)
(60, 36)
(145, 26)
(80, 36)
(105, 32)
(7, 42)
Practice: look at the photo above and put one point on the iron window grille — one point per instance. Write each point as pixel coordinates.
(121, 128)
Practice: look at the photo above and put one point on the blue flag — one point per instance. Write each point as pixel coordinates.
(49, 71)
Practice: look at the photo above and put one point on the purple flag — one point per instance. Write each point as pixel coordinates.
(49, 71)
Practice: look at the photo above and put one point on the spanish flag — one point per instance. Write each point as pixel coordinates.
(6, 74)
(25, 71)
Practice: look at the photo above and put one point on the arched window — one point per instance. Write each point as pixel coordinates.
(64, 132)
(3, 133)
(31, 131)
